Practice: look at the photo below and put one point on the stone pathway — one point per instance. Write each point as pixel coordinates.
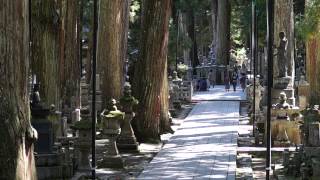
(205, 145)
(219, 93)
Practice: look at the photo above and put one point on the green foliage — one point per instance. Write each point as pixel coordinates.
(308, 25)
(241, 22)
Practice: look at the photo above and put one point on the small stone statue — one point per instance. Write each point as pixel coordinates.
(35, 98)
(282, 102)
(175, 76)
(127, 101)
(282, 52)
(111, 106)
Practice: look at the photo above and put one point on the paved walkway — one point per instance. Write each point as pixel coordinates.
(219, 93)
(204, 147)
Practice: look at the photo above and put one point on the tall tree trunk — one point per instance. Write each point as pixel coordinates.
(112, 46)
(150, 69)
(313, 64)
(283, 10)
(214, 17)
(184, 33)
(165, 126)
(223, 32)
(312, 67)
(71, 63)
(192, 35)
(44, 60)
(16, 133)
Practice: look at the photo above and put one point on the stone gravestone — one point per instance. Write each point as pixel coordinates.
(49, 163)
(127, 139)
(41, 123)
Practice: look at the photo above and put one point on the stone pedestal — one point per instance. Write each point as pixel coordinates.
(82, 144)
(111, 158)
(40, 121)
(111, 121)
(51, 166)
(284, 84)
(303, 93)
(315, 167)
(314, 134)
(127, 140)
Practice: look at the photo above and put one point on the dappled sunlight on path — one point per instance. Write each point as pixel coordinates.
(204, 147)
(219, 93)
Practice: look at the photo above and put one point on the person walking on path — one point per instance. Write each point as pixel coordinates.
(243, 79)
(234, 80)
(227, 81)
(211, 77)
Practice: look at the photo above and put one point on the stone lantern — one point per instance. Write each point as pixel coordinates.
(111, 119)
(127, 139)
(83, 141)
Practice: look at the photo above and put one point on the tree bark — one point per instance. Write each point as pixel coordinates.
(44, 59)
(284, 21)
(112, 46)
(150, 69)
(214, 16)
(70, 84)
(16, 133)
(312, 67)
(165, 126)
(192, 35)
(223, 32)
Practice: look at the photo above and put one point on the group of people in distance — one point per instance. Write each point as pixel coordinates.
(233, 79)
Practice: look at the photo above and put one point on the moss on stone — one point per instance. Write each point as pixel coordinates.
(82, 125)
(115, 114)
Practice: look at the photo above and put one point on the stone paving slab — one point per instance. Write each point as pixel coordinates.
(204, 147)
(218, 93)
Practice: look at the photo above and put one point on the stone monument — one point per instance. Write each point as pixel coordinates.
(82, 144)
(282, 61)
(111, 119)
(127, 139)
(48, 157)
(284, 79)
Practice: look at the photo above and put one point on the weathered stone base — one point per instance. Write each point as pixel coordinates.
(50, 166)
(126, 144)
(111, 162)
(284, 84)
(289, 92)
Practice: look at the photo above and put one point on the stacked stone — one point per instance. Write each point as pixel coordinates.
(82, 144)
(127, 140)
(98, 95)
(111, 119)
(84, 91)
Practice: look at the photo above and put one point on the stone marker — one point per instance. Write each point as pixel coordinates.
(127, 139)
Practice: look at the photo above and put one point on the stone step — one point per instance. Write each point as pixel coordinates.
(55, 172)
(48, 159)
